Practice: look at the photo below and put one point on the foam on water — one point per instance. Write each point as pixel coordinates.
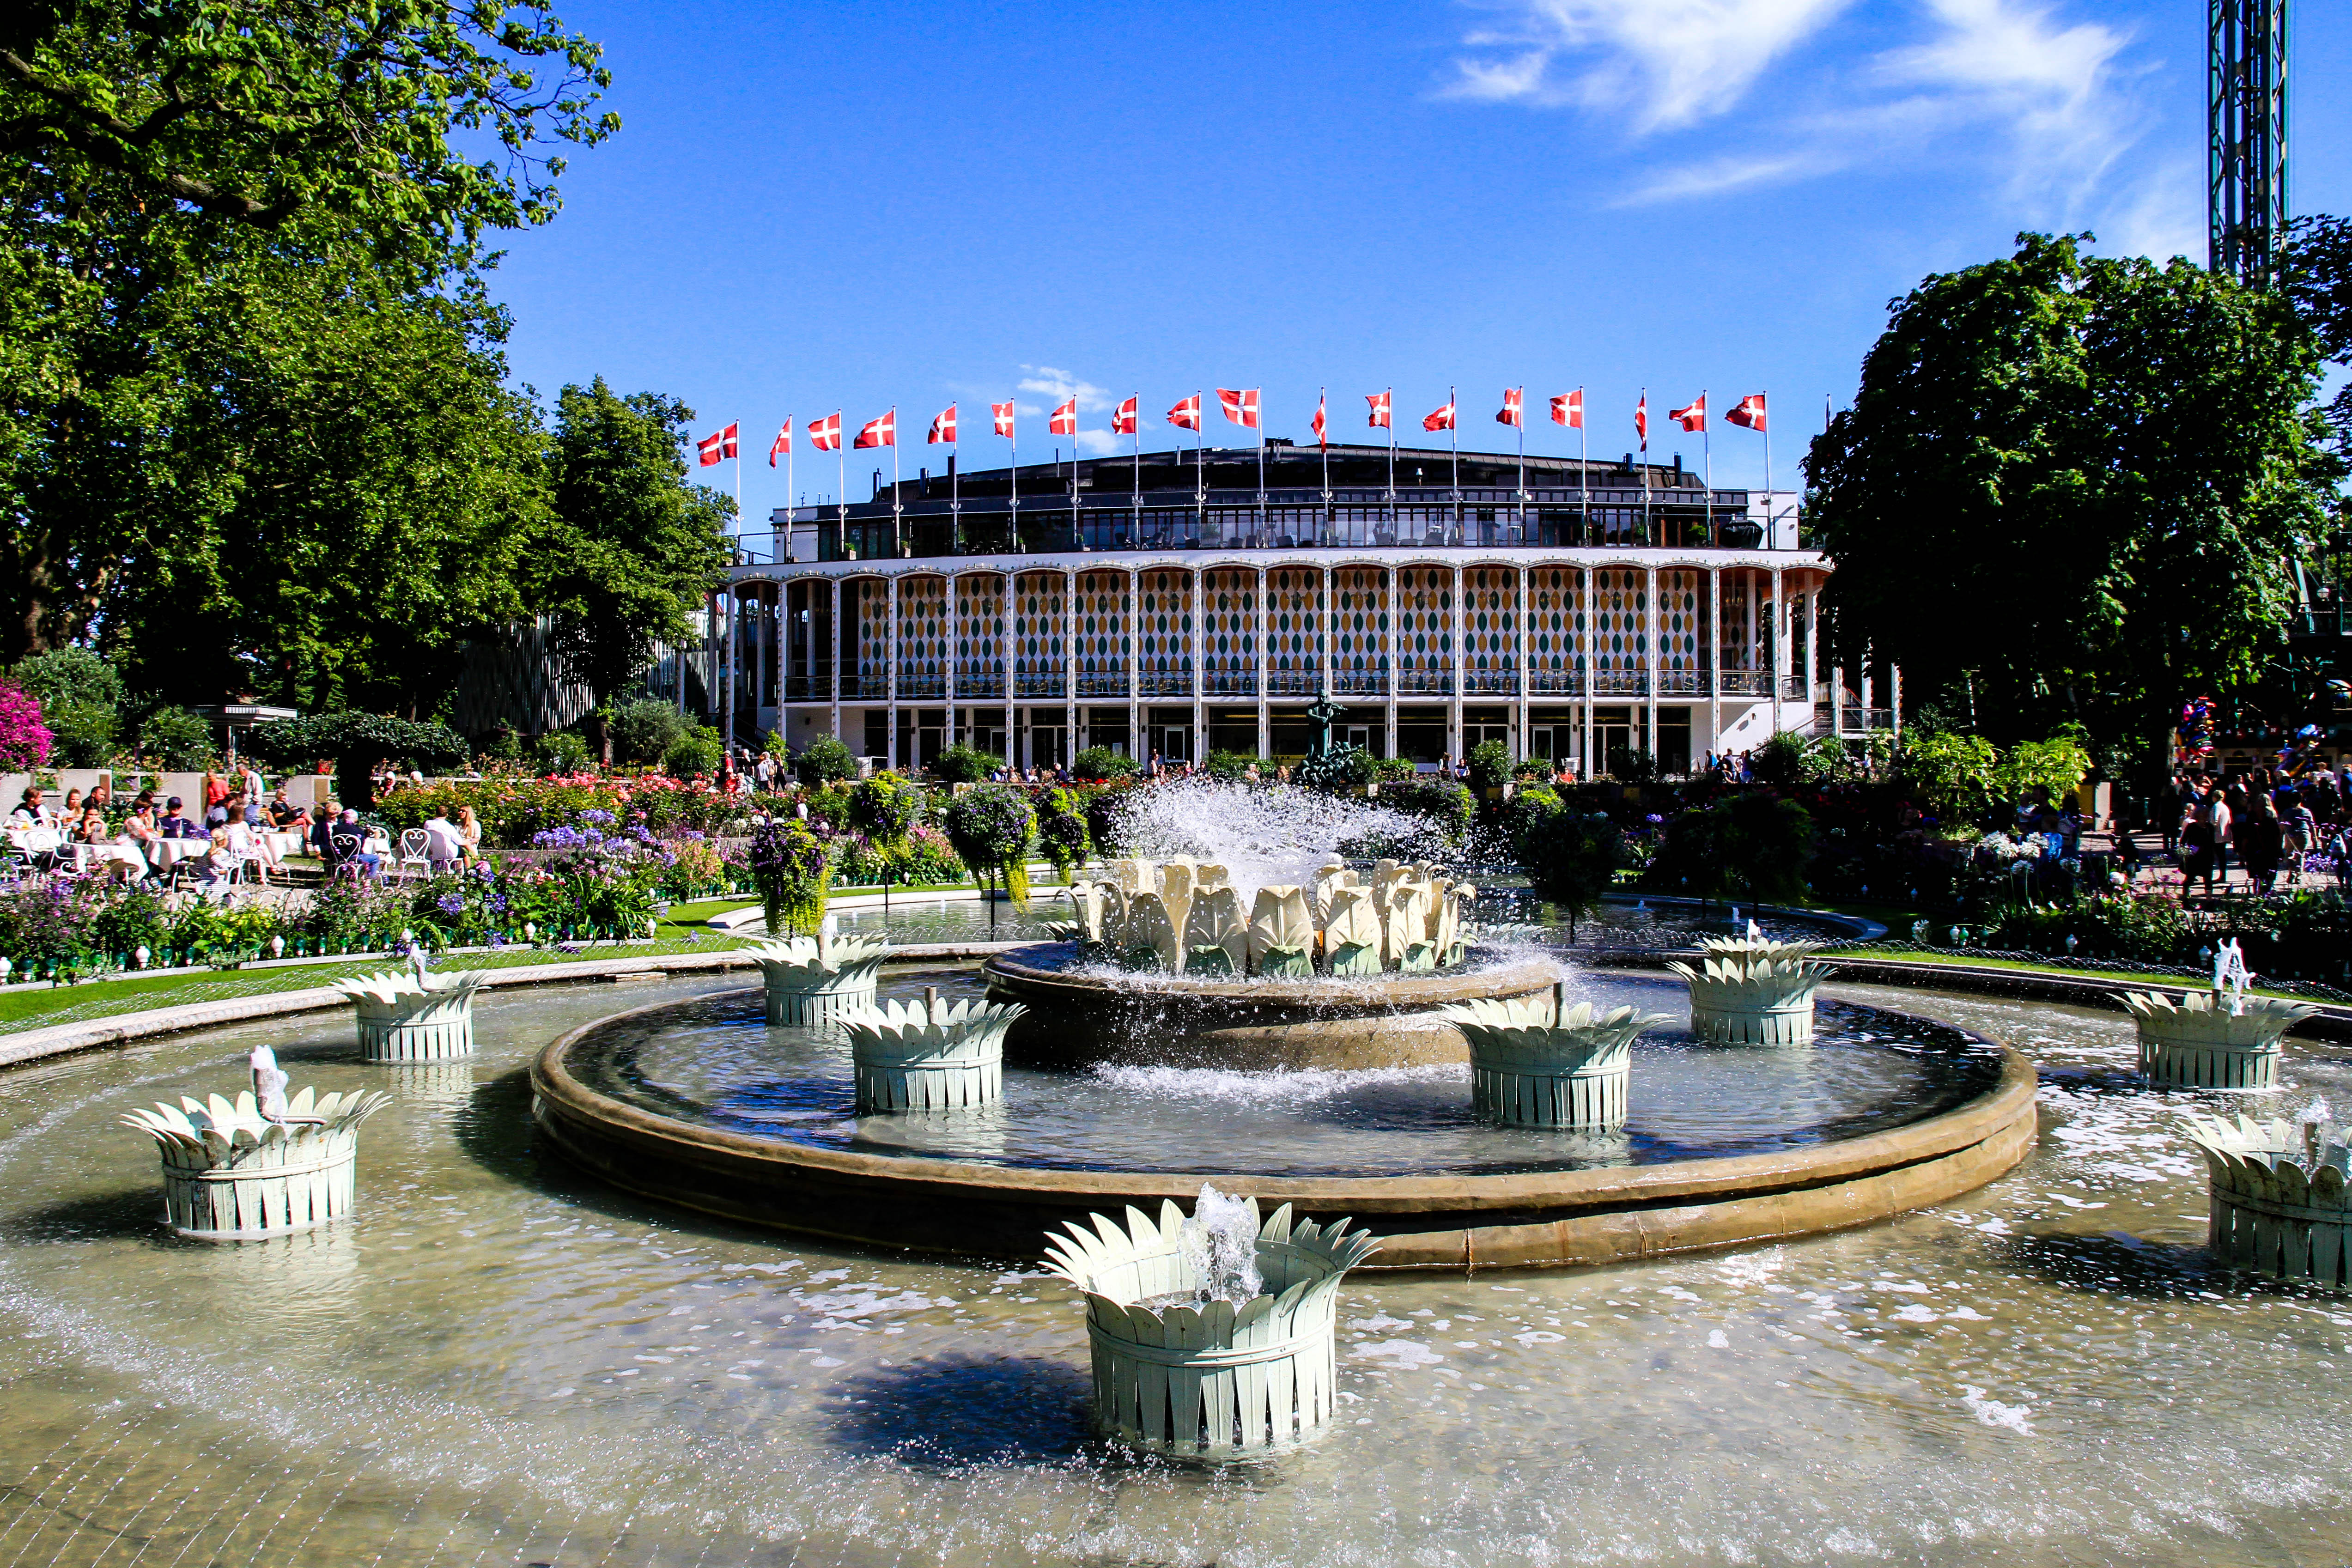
(1264, 838)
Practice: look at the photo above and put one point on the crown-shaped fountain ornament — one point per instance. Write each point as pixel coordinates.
(2220, 1039)
(1752, 991)
(263, 1165)
(929, 1055)
(1212, 1333)
(413, 1015)
(2281, 1196)
(817, 979)
(1183, 916)
(1535, 1061)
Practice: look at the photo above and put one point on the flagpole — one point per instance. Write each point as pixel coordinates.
(1767, 469)
(1453, 438)
(1706, 457)
(1013, 470)
(1392, 403)
(1136, 532)
(898, 534)
(1583, 474)
(1261, 470)
(1645, 466)
(955, 491)
(1523, 463)
(841, 472)
(1200, 457)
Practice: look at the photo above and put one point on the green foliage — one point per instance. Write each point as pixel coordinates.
(1342, 767)
(1747, 844)
(2056, 463)
(700, 750)
(635, 549)
(991, 826)
(357, 742)
(1782, 760)
(643, 730)
(2040, 770)
(794, 872)
(181, 741)
(1230, 764)
(1630, 764)
(1490, 765)
(1097, 763)
(964, 764)
(2148, 929)
(1569, 857)
(71, 674)
(1445, 804)
(886, 809)
(825, 760)
(1062, 830)
(1954, 773)
(560, 752)
(1392, 770)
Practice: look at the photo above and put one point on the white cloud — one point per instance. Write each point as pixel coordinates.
(1061, 385)
(2159, 218)
(1097, 443)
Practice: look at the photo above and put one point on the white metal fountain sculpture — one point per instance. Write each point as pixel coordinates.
(2221, 1039)
(1282, 935)
(262, 1166)
(1181, 916)
(1537, 1062)
(2280, 1196)
(1212, 1334)
(929, 1055)
(414, 1016)
(816, 979)
(1752, 991)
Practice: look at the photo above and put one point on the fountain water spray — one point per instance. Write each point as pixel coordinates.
(1219, 1246)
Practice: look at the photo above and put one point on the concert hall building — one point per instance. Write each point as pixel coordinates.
(1174, 604)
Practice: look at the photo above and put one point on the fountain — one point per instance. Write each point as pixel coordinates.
(933, 1057)
(1541, 1063)
(817, 979)
(2282, 1196)
(264, 1166)
(414, 1018)
(1213, 1335)
(2221, 1040)
(1751, 991)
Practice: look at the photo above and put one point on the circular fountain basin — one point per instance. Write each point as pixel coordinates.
(1078, 1016)
(702, 1104)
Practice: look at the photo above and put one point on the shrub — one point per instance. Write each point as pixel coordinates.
(81, 697)
(1781, 760)
(1104, 809)
(180, 739)
(1631, 764)
(1490, 765)
(1569, 857)
(699, 751)
(357, 742)
(1061, 831)
(1747, 844)
(1231, 765)
(990, 828)
(643, 730)
(964, 764)
(1097, 764)
(1388, 769)
(792, 872)
(2041, 770)
(885, 808)
(1953, 774)
(560, 752)
(823, 762)
(25, 741)
(1445, 804)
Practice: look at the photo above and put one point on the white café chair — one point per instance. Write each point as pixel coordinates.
(414, 843)
(244, 846)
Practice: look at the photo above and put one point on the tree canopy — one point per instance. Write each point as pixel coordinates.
(2074, 485)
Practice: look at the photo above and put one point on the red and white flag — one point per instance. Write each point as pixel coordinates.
(1441, 420)
(782, 445)
(716, 448)
(825, 435)
(943, 428)
(1512, 406)
(1123, 417)
(1692, 417)
(1004, 415)
(1747, 412)
(1316, 424)
(1241, 407)
(1186, 415)
(1568, 409)
(1641, 421)
(882, 432)
(1065, 420)
(1380, 415)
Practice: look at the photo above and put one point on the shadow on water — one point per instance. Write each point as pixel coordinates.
(135, 1214)
(951, 1411)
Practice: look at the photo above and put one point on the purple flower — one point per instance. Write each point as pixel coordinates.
(451, 904)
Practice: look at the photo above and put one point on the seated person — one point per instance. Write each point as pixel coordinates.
(349, 851)
(218, 863)
(29, 812)
(101, 794)
(443, 844)
(216, 815)
(145, 801)
(172, 824)
(283, 815)
(72, 810)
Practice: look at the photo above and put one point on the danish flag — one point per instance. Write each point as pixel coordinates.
(1694, 417)
(1004, 414)
(783, 443)
(1241, 407)
(1316, 424)
(1512, 404)
(1441, 420)
(1380, 415)
(716, 448)
(1065, 420)
(882, 432)
(1641, 421)
(943, 428)
(1568, 409)
(1122, 419)
(1186, 415)
(825, 435)
(1747, 412)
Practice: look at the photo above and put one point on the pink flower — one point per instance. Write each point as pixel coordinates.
(25, 741)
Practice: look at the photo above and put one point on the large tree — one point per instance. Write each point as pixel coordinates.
(634, 549)
(2074, 485)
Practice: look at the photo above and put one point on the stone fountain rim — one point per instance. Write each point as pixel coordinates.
(1324, 993)
(1537, 1219)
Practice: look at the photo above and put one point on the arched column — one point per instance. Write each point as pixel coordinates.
(1264, 716)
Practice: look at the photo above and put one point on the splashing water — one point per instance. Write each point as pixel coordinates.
(1219, 1243)
(1264, 838)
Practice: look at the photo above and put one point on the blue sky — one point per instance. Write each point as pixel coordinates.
(837, 205)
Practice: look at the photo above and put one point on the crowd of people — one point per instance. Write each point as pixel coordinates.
(2264, 822)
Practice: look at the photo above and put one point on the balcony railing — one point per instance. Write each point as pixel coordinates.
(1682, 682)
(1165, 683)
(1050, 685)
(980, 683)
(1361, 682)
(1747, 683)
(1102, 683)
(1489, 682)
(1620, 683)
(1424, 682)
(809, 688)
(1556, 682)
(1293, 682)
(1230, 683)
(1039, 683)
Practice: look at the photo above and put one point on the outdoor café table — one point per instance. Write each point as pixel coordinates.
(164, 853)
(284, 844)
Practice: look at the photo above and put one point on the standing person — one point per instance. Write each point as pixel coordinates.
(2195, 834)
(2259, 842)
(2221, 819)
(214, 792)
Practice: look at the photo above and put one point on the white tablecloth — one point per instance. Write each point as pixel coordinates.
(165, 853)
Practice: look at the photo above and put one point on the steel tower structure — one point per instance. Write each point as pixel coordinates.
(2245, 77)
